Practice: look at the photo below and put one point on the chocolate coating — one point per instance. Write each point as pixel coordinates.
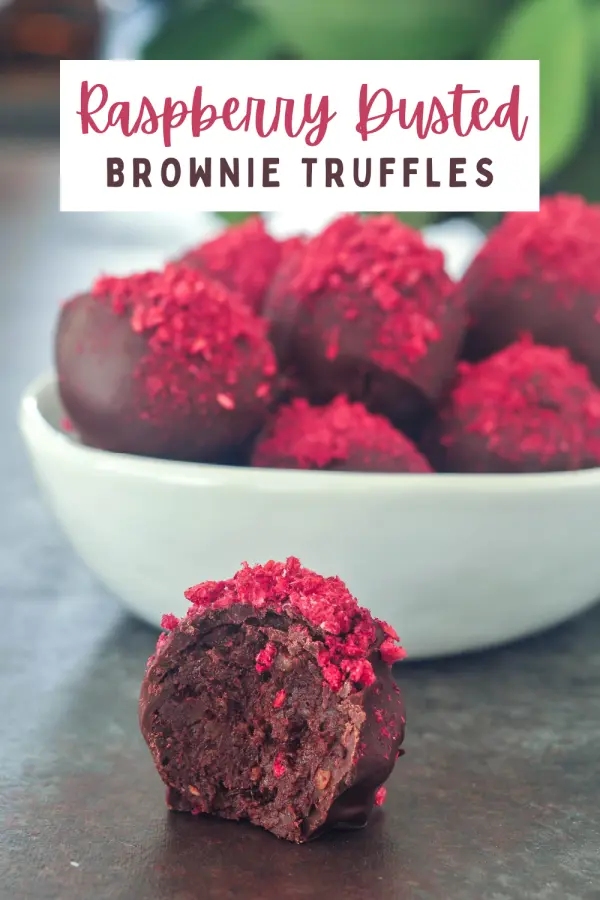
(274, 745)
(367, 310)
(500, 316)
(123, 396)
(400, 398)
(527, 408)
(539, 273)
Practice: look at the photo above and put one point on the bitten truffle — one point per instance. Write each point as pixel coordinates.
(273, 701)
(367, 310)
(342, 436)
(528, 408)
(243, 257)
(165, 364)
(539, 272)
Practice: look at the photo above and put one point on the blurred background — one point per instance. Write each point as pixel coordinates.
(563, 34)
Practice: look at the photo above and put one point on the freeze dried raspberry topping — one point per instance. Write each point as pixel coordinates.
(198, 333)
(320, 437)
(350, 634)
(244, 257)
(529, 399)
(376, 266)
(557, 246)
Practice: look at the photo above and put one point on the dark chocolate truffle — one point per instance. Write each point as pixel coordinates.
(273, 701)
(164, 364)
(366, 309)
(244, 257)
(539, 273)
(528, 408)
(342, 436)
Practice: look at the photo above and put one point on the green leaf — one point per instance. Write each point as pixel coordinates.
(593, 32)
(582, 173)
(232, 218)
(553, 31)
(417, 219)
(216, 30)
(381, 29)
(487, 220)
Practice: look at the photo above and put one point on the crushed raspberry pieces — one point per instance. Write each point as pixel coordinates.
(557, 246)
(279, 699)
(244, 256)
(279, 767)
(226, 401)
(266, 657)
(333, 677)
(529, 399)
(376, 266)
(380, 795)
(391, 652)
(350, 633)
(360, 671)
(169, 622)
(391, 632)
(200, 336)
(263, 390)
(319, 436)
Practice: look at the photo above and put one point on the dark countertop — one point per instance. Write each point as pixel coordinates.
(496, 799)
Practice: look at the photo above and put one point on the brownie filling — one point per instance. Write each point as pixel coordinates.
(264, 741)
(272, 700)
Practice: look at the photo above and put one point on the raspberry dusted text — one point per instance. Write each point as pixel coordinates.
(459, 113)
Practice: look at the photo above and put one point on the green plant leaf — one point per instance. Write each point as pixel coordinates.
(232, 218)
(414, 219)
(593, 33)
(417, 219)
(215, 30)
(553, 31)
(487, 220)
(581, 175)
(381, 29)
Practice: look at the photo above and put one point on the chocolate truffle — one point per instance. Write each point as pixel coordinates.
(244, 257)
(342, 436)
(539, 272)
(528, 408)
(165, 364)
(273, 701)
(366, 309)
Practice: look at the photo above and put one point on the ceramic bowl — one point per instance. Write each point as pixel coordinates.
(453, 562)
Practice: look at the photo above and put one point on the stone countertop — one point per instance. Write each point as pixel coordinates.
(496, 799)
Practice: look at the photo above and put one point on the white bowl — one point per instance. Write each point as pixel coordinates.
(453, 562)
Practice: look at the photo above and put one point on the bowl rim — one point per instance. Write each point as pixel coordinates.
(38, 432)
